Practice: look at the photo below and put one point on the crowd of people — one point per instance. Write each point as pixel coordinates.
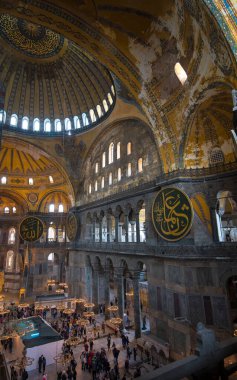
(73, 325)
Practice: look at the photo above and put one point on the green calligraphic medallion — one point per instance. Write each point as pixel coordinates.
(31, 229)
(71, 226)
(172, 214)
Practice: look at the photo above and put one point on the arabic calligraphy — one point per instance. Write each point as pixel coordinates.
(31, 229)
(172, 214)
(71, 226)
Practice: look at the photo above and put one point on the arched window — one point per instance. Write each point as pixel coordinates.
(6, 210)
(14, 120)
(102, 182)
(118, 150)
(3, 180)
(36, 125)
(180, 73)
(92, 115)
(68, 124)
(14, 210)
(85, 120)
(51, 179)
(76, 122)
(96, 167)
(142, 224)
(89, 190)
(129, 148)
(51, 233)
(96, 185)
(99, 110)
(119, 174)
(110, 178)
(51, 207)
(111, 153)
(51, 257)
(12, 236)
(31, 181)
(25, 123)
(60, 208)
(105, 104)
(110, 99)
(103, 160)
(112, 89)
(47, 125)
(140, 165)
(129, 169)
(10, 261)
(57, 125)
(2, 116)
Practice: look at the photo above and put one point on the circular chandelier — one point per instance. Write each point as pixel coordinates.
(68, 311)
(88, 314)
(23, 305)
(4, 311)
(80, 300)
(88, 305)
(113, 308)
(116, 321)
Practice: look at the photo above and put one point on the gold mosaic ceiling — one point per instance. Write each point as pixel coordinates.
(47, 76)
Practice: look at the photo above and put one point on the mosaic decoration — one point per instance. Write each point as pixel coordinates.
(30, 39)
(31, 229)
(226, 15)
(172, 214)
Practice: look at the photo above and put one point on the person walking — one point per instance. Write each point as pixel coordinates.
(109, 342)
(40, 362)
(43, 363)
(135, 353)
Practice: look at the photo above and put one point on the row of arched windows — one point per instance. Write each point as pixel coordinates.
(119, 176)
(111, 152)
(52, 208)
(8, 210)
(77, 123)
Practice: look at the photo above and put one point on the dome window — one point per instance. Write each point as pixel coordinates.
(31, 181)
(85, 120)
(2, 116)
(105, 104)
(68, 124)
(36, 125)
(129, 169)
(110, 178)
(57, 125)
(111, 153)
(51, 179)
(76, 122)
(92, 115)
(99, 110)
(14, 120)
(103, 160)
(96, 186)
(129, 148)
(60, 208)
(110, 99)
(140, 165)
(96, 167)
(6, 210)
(112, 89)
(14, 210)
(25, 123)
(47, 125)
(180, 73)
(118, 150)
(3, 180)
(51, 207)
(89, 190)
(102, 182)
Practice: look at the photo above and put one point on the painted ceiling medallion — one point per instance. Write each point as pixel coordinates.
(30, 39)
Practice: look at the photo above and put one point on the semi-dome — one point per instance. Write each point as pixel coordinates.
(50, 85)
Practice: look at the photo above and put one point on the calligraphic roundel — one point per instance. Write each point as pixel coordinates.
(71, 226)
(31, 229)
(172, 214)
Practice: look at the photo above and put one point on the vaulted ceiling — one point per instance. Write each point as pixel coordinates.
(139, 43)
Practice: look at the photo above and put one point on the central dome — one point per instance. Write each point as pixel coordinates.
(50, 84)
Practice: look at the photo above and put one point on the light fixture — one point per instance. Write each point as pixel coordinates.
(116, 321)
(89, 305)
(113, 308)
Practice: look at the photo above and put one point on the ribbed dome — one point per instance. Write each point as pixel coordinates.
(50, 84)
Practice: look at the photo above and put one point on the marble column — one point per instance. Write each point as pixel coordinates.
(116, 229)
(107, 293)
(95, 289)
(120, 293)
(137, 307)
(214, 224)
(138, 228)
(126, 227)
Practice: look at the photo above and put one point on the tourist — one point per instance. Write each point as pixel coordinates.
(64, 375)
(134, 353)
(43, 363)
(44, 376)
(40, 362)
(108, 341)
(24, 375)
